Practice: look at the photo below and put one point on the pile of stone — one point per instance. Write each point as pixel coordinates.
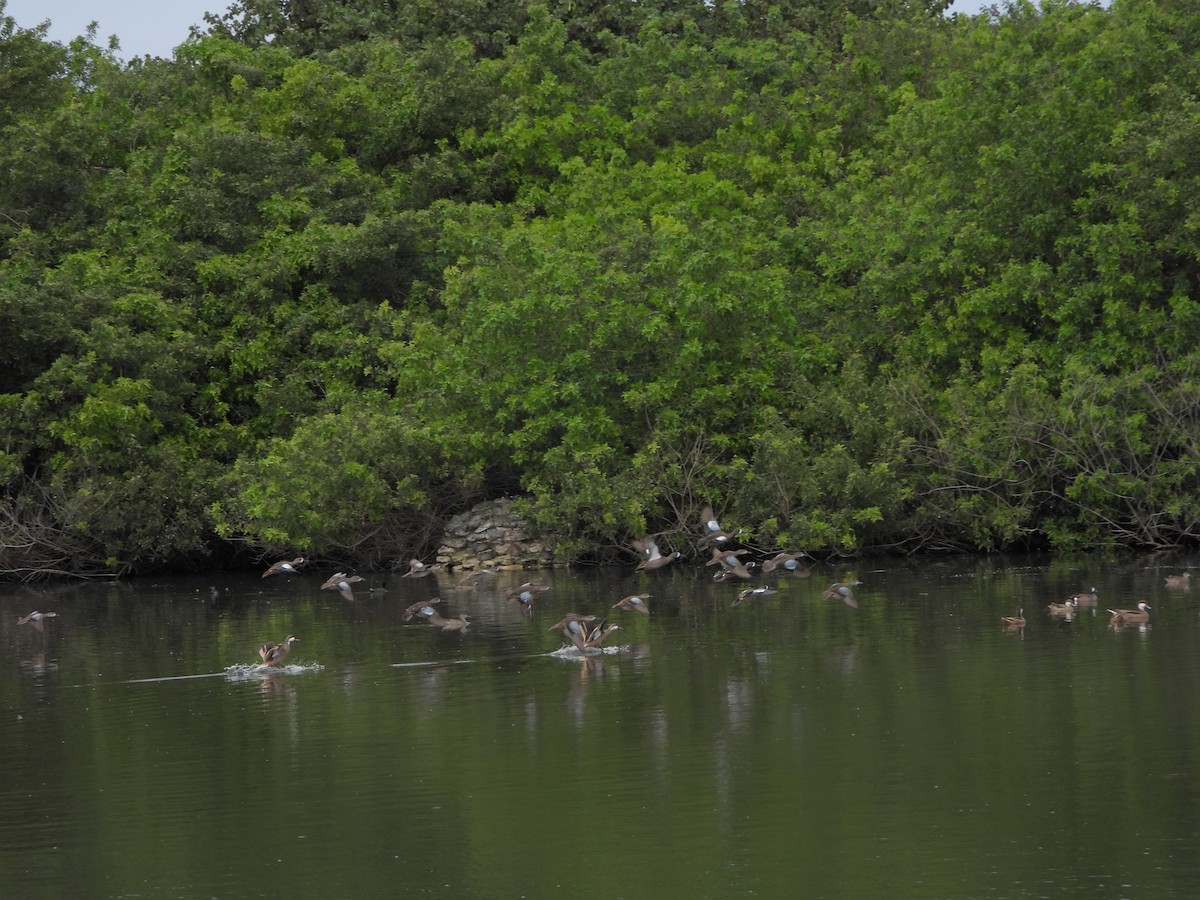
(492, 535)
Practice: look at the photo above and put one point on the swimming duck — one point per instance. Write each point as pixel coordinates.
(1130, 616)
(1017, 621)
(341, 582)
(286, 566)
(415, 608)
(36, 619)
(1086, 598)
(273, 654)
(634, 603)
(1179, 581)
(843, 591)
(652, 556)
(1066, 608)
(753, 593)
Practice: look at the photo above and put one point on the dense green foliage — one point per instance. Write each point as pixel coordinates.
(862, 275)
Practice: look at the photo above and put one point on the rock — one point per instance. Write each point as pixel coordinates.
(494, 535)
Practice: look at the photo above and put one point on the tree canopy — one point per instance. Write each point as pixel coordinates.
(862, 275)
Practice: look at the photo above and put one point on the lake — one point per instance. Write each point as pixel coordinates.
(786, 747)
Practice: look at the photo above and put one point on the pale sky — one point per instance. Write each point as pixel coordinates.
(157, 27)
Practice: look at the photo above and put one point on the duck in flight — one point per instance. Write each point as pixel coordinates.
(341, 582)
(843, 591)
(285, 567)
(36, 619)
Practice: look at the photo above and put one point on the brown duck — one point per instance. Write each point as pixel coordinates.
(843, 591)
(652, 556)
(1130, 616)
(575, 628)
(285, 566)
(788, 562)
(525, 594)
(273, 654)
(634, 603)
(1017, 621)
(36, 619)
(753, 594)
(417, 569)
(597, 635)
(416, 608)
(341, 582)
(454, 623)
(1086, 598)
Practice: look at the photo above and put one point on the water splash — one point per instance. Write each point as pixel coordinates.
(570, 652)
(253, 671)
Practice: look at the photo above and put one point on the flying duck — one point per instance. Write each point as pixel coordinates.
(752, 593)
(341, 582)
(286, 566)
(634, 603)
(652, 557)
(417, 607)
(36, 619)
(525, 594)
(843, 591)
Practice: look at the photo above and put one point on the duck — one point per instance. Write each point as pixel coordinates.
(844, 591)
(726, 558)
(525, 594)
(752, 593)
(286, 566)
(436, 619)
(731, 565)
(36, 619)
(597, 635)
(713, 532)
(634, 603)
(1086, 598)
(741, 571)
(1179, 581)
(575, 628)
(415, 608)
(1130, 616)
(1017, 621)
(341, 582)
(652, 556)
(273, 654)
(417, 569)
(788, 562)
(1066, 608)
